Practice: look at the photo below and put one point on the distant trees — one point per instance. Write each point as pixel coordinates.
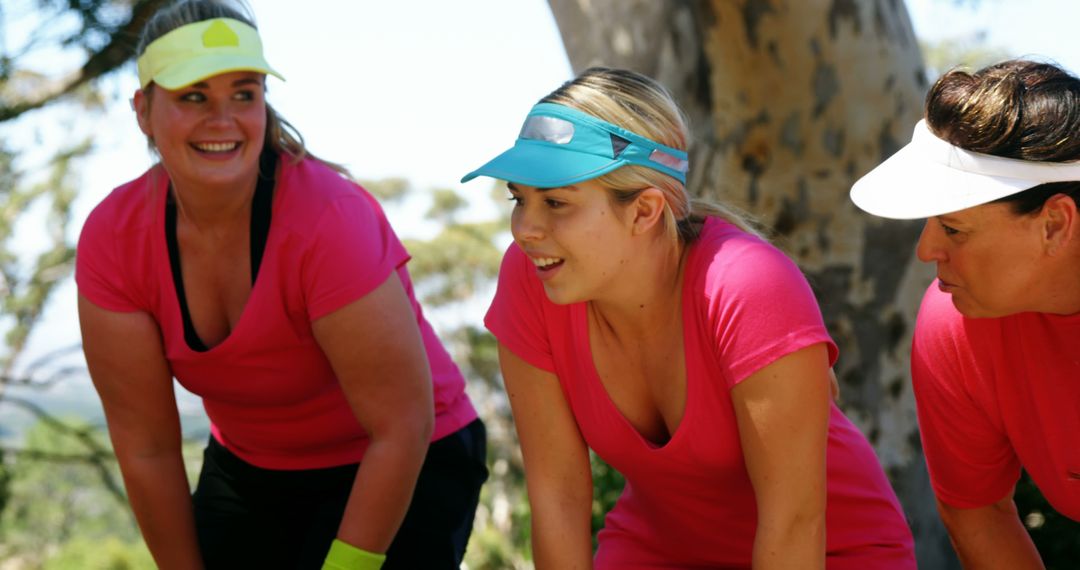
(59, 481)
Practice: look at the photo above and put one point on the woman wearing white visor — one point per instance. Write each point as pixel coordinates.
(996, 355)
(684, 350)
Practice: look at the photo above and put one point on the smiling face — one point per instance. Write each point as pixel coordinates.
(987, 257)
(209, 134)
(579, 241)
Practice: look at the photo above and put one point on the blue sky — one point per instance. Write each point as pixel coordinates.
(428, 89)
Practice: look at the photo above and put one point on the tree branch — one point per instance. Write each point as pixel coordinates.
(119, 49)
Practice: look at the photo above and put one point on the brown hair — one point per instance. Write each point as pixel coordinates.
(643, 106)
(281, 136)
(1015, 109)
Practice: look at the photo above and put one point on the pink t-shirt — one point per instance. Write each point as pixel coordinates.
(994, 395)
(689, 503)
(269, 391)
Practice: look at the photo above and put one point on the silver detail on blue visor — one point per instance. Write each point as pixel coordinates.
(550, 129)
(677, 164)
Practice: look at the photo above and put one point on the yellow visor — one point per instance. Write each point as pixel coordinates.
(204, 49)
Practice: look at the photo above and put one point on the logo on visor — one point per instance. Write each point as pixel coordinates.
(549, 129)
(220, 35)
(677, 164)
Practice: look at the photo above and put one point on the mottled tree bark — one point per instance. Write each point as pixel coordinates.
(790, 102)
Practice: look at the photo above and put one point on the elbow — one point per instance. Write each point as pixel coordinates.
(802, 532)
(425, 426)
(806, 524)
(413, 428)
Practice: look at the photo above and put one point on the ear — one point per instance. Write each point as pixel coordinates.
(648, 210)
(1060, 223)
(140, 103)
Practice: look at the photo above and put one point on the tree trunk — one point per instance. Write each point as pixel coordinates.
(790, 102)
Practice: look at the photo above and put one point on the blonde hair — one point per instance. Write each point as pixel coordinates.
(281, 136)
(641, 105)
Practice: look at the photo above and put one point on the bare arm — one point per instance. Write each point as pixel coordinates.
(127, 364)
(990, 537)
(783, 415)
(557, 471)
(378, 356)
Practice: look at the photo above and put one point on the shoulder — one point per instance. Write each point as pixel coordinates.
(115, 260)
(727, 262)
(950, 349)
(941, 329)
(308, 189)
(753, 300)
(130, 207)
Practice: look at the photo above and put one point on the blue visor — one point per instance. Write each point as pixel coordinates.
(559, 146)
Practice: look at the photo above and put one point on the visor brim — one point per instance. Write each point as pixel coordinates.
(910, 186)
(194, 70)
(544, 165)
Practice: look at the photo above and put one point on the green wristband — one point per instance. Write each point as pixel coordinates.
(344, 556)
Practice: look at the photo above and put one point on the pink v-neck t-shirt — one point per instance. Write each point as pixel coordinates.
(690, 503)
(268, 389)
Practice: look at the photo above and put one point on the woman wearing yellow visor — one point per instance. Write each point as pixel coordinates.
(272, 286)
(995, 169)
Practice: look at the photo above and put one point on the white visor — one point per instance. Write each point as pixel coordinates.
(930, 177)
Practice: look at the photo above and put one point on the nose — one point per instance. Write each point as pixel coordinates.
(220, 112)
(526, 224)
(929, 247)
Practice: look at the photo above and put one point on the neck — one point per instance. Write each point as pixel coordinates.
(652, 294)
(207, 206)
(1063, 298)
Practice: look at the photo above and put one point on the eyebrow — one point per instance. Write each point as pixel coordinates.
(513, 188)
(238, 83)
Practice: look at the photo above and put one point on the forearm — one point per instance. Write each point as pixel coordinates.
(383, 489)
(795, 542)
(160, 497)
(996, 540)
(561, 533)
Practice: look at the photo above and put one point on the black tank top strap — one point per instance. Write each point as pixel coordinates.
(261, 207)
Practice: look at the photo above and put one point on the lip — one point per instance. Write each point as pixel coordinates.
(945, 285)
(545, 273)
(548, 273)
(236, 144)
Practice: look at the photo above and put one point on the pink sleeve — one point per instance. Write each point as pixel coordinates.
(760, 308)
(971, 462)
(352, 251)
(516, 316)
(99, 274)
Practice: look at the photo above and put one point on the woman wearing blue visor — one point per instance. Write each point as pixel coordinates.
(683, 349)
(272, 286)
(995, 361)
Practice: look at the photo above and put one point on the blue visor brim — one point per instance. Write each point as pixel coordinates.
(559, 146)
(543, 165)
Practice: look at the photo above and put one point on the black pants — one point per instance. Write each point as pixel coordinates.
(249, 517)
